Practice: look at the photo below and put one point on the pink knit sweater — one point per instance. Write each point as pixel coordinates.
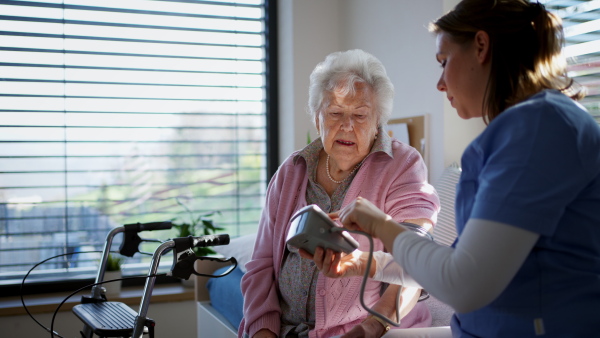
(397, 185)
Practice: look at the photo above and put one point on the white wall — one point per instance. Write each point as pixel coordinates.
(308, 31)
(458, 133)
(395, 31)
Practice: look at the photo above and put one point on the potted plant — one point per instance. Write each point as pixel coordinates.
(197, 226)
(113, 271)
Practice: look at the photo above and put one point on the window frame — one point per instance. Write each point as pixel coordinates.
(577, 17)
(272, 160)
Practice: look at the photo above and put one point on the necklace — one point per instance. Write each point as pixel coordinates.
(350, 174)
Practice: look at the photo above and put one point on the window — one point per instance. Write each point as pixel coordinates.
(581, 22)
(120, 111)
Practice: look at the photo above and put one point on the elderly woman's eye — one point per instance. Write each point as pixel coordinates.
(360, 117)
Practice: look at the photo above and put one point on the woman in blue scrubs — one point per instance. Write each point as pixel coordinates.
(527, 259)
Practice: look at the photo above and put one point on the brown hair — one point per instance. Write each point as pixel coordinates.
(525, 46)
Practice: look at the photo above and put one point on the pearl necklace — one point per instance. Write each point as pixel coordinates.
(350, 174)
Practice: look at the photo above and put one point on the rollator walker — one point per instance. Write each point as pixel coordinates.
(115, 319)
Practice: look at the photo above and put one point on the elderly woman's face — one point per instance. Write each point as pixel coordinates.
(348, 125)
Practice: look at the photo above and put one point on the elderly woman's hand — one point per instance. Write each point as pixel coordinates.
(369, 328)
(264, 333)
(335, 265)
(361, 215)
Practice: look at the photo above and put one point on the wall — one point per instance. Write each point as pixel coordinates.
(308, 31)
(458, 133)
(395, 31)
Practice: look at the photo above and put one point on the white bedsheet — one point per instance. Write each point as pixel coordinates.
(426, 332)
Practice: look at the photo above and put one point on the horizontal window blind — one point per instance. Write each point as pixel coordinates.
(581, 22)
(123, 111)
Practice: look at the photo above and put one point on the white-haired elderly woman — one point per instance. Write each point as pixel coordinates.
(286, 295)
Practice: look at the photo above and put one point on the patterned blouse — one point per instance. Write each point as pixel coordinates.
(299, 276)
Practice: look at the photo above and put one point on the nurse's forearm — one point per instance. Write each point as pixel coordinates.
(486, 258)
(387, 232)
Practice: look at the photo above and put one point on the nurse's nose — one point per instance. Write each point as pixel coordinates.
(441, 85)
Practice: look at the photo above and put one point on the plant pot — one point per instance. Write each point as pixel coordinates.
(113, 289)
(190, 282)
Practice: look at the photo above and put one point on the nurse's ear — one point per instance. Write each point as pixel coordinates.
(482, 46)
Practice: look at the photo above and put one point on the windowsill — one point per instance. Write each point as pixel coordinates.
(47, 303)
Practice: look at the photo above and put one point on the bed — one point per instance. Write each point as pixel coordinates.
(220, 301)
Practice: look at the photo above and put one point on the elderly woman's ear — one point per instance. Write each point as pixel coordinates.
(317, 125)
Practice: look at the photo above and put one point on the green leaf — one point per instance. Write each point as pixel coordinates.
(199, 225)
(113, 262)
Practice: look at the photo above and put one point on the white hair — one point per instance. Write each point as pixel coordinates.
(341, 71)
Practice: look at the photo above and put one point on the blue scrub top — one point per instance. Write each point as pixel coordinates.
(537, 167)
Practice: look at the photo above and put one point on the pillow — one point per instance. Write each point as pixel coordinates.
(239, 247)
(226, 295)
(444, 231)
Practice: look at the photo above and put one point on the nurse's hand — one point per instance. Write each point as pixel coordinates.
(335, 265)
(361, 215)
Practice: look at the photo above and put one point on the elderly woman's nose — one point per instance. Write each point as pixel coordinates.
(347, 123)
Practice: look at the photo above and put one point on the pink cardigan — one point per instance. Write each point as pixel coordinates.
(396, 185)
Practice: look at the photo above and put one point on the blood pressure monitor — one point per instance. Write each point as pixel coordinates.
(312, 228)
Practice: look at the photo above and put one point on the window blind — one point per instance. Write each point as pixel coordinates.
(124, 111)
(581, 22)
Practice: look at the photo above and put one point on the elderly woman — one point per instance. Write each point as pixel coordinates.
(285, 295)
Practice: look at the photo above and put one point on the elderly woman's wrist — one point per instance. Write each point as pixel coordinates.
(376, 325)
